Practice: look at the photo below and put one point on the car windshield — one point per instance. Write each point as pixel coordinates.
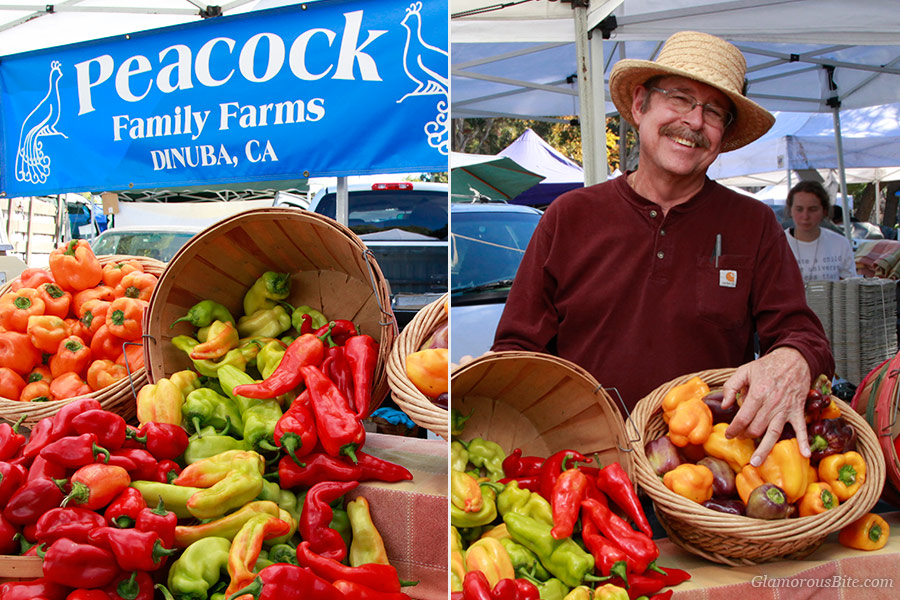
(487, 247)
(152, 244)
(393, 215)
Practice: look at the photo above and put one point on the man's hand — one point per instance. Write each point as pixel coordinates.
(776, 387)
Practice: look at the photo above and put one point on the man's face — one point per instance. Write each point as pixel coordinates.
(679, 143)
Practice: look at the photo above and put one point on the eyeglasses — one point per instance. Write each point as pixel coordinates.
(685, 103)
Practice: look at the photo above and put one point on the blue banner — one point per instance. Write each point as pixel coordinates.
(329, 88)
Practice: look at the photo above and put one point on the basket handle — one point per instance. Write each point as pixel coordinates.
(627, 419)
(128, 366)
(368, 255)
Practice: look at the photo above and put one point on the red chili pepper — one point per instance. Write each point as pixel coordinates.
(86, 594)
(159, 520)
(96, 485)
(613, 480)
(163, 440)
(9, 537)
(358, 591)
(336, 332)
(79, 565)
(107, 426)
(35, 588)
(305, 350)
(515, 465)
(639, 585)
(317, 467)
(123, 511)
(375, 575)
(505, 589)
(377, 469)
(361, 352)
(41, 468)
(609, 559)
(281, 581)
(568, 492)
(168, 470)
(553, 467)
(296, 429)
(133, 549)
(336, 367)
(131, 586)
(316, 517)
(527, 590)
(672, 576)
(639, 549)
(33, 499)
(476, 586)
(72, 523)
(11, 479)
(11, 441)
(305, 324)
(58, 426)
(75, 451)
(146, 467)
(339, 430)
(528, 482)
(666, 595)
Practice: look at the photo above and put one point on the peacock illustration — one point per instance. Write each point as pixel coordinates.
(32, 165)
(425, 65)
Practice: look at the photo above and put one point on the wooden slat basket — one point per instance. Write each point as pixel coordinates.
(541, 404)
(118, 397)
(737, 540)
(410, 400)
(331, 270)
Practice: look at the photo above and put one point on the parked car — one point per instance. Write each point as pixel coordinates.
(405, 226)
(160, 242)
(487, 242)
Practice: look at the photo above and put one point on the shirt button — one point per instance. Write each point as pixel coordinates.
(662, 232)
(652, 214)
(660, 254)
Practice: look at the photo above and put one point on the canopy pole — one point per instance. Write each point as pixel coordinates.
(590, 96)
(342, 208)
(878, 201)
(848, 226)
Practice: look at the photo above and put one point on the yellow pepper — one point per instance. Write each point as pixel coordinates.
(457, 561)
(787, 468)
(490, 557)
(845, 473)
(746, 481)
(694, 482)
(690, 422)
(367, 545)
(693, 388)
(869, 532)
(813, 474)
(428, 370)
(818, 498)
(735, 451)
(160, 402)
(500, 532)
(186, 381)
(581, 592)
(222, 337)
(610, 592)
(465, 493)
(832, 411)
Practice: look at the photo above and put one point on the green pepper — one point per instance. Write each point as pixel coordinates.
(266, 291)
(199, 568)
(209, 442)
(204, 313)
(259, 425)
(524, 560)
(206, 407)
(207, 367)
(488, 512)
(340, 522)
(459, 456)
(238, 477)
(514, 499)
(487, 454)
(269, 357)
(287, 340)
(552, 589)
(174, 497)
(283, 553)
(285, 499)
(564, 558)
(316, 319)
(262, 561)
(458, 421)
(266, 322)
(250, 348)
(230, 377)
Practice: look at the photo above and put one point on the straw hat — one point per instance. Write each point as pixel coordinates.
(704, 58)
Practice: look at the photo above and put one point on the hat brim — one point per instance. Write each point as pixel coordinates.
(750, 122)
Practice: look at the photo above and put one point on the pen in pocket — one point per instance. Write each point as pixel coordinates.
(718, 250)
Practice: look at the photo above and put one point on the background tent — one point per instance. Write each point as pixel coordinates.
(561, 174)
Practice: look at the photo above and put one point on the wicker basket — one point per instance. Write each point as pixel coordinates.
(331, 271)
(118, 397)
(410, 400)
(541, 404)
(736, 540)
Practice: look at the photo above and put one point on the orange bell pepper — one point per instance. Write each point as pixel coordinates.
(428, 371)
(134, 354)
(693, 388)
(845, 473)
(869, 532)
(36, 391)
(57, 301)
(125, 317)
(93, 314)
(222, 337)
(69, 385)
(137, 285)
(31, 278)
(694, 482)
(101, 292)
(813, 475)
(46, 332)
(18, 353)
(103, 373)
(74, 266)
(39, 373)
(114, 272)
(106, 345)
(11, 384)
(818, 498)
(746, 481)
(72, 356)
(690, 422)
(16, 307)
(76, 327)
(788, 469)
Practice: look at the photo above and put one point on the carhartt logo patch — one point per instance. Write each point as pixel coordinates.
(727, 278)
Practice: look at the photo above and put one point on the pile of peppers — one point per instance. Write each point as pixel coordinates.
(698, 462)
(233, 484)
(529, 527)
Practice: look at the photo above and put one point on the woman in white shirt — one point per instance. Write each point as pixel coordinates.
(821, 253)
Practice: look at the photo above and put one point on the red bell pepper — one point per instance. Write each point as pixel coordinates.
(296, 429)
(505, 589)
(527, 590)
(614, 482)
(58, 426)
(33, 499)
(72, 523)
(11, 479)
(146, 467)
(137, 585)
(609, 559)
(337, 332)
(282, 581)
(11, 441)
(361, 353)
(515, 465)
(527, 482)
(378, 576)
(476, 586)
(79, 565)
(133, 549)
(123, 511)
(162, 440)
(86, 594)
(358, 591)
(167, 471)
(339, 430)
(565, 500)
(33, 589)
(639, 549)
(9, 543)
(160, 521)
(316, 517)
(75, 451)
(305, 350)
(41, 468)
(109, 427)
(96, 485)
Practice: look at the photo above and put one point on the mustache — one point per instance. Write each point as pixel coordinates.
(695, 137)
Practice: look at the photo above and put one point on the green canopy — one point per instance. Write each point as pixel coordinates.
(497, 177)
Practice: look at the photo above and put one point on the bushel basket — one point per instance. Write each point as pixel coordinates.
(737, 540)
